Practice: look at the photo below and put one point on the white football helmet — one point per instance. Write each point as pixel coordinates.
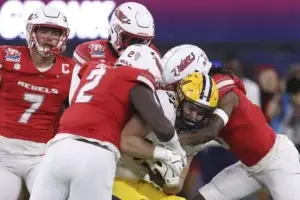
(131, 23)
(142, 57)
(47, 16)
(182, 60)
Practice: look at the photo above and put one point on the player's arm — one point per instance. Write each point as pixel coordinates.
(80, 54)
(80, 58)
(215, 122)
(143, 101)
(132, 139)
(178, 188)
(75, 80)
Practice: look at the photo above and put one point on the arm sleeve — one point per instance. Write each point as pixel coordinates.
(79, 54)
(75, 80)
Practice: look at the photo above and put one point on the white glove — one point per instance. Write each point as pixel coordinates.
(170, 173)
(169, 166)
(169, 156)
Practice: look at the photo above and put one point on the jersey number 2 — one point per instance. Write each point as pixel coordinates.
(36, 101)
(94, 78)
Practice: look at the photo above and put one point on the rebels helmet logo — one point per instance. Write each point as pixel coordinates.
(184, 64)
(122, 17)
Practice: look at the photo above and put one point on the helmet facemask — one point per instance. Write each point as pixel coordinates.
(47, 44)
(193, 115)
(120, 39)
(198, 98)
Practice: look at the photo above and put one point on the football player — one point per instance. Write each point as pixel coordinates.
(194, 107)
(265, 158)
(81, 159)
(130, 23)
(35, 82)
(134, 146)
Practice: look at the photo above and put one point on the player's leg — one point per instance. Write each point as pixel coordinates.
(95, 174)
(54, 173)
(126, 190)
(10, 179)
(10, 184)
(32, 171)
(281, 173)
(230, 184)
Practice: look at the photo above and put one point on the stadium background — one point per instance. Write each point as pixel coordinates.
(252, 32)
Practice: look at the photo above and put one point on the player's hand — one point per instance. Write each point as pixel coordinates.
(169, 172)
(173, 157)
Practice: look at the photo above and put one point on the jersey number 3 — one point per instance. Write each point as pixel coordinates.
(94, 78)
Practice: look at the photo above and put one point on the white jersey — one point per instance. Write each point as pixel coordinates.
(136, 169)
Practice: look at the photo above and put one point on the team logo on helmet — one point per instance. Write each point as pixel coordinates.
(184, 64)
(122, 17)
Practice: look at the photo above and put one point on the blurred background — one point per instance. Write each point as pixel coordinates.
(258, 40)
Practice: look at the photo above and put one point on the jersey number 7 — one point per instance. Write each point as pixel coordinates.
(36, 101)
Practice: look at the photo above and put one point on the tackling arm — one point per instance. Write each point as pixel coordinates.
(215, 122)
(143, 101)
(133, 142)
(133, 139)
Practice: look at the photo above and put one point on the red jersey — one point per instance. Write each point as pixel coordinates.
(95, 50)
(30, 100)
(101, 105)
(247, 132)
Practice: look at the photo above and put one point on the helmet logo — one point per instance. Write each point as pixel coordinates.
(122, 17)
(32, 16)
(184, 64)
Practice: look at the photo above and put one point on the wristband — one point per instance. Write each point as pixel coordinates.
(221, 114)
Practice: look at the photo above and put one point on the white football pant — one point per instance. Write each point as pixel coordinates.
(14, 168)
(75, 170)
(279, 171)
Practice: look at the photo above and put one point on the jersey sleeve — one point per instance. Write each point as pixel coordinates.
(224, 84)
(145, 77)
(81, 54)
(75, 80)
(167, 100)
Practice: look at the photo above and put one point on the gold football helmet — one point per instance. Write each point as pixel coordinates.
(198, 97)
